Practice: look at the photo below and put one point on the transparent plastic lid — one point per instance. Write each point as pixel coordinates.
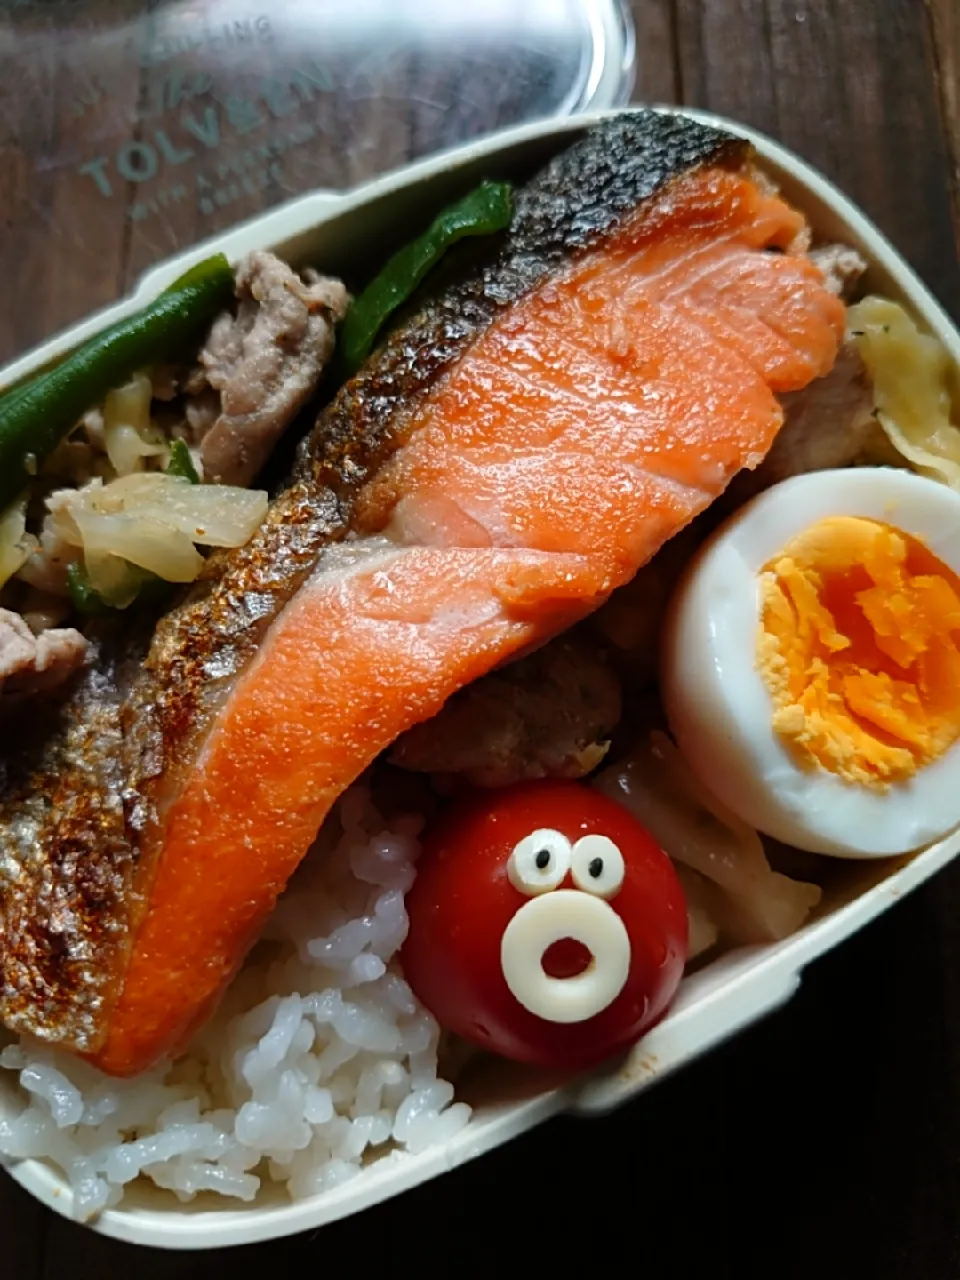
(128, 135)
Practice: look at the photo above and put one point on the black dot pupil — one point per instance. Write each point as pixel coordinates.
(596, 868)
(542, 859)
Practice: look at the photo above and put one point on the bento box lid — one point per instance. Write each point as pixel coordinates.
(135, 134)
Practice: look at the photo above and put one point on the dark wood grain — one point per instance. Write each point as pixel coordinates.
(945, 40)
(66, 257)
(826, 1141)
(850, 86)
(657, 69)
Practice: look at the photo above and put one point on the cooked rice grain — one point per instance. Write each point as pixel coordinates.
(319, 1058)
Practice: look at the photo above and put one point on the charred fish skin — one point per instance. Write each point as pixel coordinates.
(74, 892)
(66, 859)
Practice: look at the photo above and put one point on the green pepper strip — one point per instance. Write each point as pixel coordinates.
(181, 464)
(84, 597)
(36, 415)
(482, 212)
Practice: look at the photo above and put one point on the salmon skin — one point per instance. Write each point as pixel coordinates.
(508, 457)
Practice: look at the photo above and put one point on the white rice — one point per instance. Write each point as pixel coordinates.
(319, 1059)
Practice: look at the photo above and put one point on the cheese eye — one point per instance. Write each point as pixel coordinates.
(539, 862)
(597, 866)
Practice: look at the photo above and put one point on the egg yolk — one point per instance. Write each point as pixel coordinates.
(858, 645)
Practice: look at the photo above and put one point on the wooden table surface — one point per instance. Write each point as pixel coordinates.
(826, 1141)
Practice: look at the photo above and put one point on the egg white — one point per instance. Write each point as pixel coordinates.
(718, 705)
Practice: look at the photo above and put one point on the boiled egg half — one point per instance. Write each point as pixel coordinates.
(811, 662)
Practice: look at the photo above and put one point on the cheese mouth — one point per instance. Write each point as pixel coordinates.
(560, 916)
(859, 646)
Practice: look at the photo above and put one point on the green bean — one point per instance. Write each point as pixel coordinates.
(36, 415)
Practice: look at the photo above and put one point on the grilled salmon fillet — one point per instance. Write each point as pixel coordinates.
(505, 460)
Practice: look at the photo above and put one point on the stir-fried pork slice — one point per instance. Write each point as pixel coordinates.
(31, 663)
(828, 424)
(201, 412)
(265, 361)
(547, 715)
(841, 266)
(46, 568)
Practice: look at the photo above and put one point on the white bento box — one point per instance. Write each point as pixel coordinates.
(332, 231)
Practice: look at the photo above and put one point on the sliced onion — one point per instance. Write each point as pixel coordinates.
(128, 434)
(117, 581)
(127, 448)
(694, 828)
(213, 515)
(15, 543)
(154, 521)
(703, 929)
(148, 543)
(61, 518)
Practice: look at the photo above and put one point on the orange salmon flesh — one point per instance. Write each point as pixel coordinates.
(590, 421)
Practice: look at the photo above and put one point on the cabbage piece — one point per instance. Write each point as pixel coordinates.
(757, 904)
(911, 375)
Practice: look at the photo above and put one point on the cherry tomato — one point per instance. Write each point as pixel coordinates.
(546, 925)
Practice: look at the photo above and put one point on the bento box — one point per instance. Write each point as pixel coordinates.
(715, 1001)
